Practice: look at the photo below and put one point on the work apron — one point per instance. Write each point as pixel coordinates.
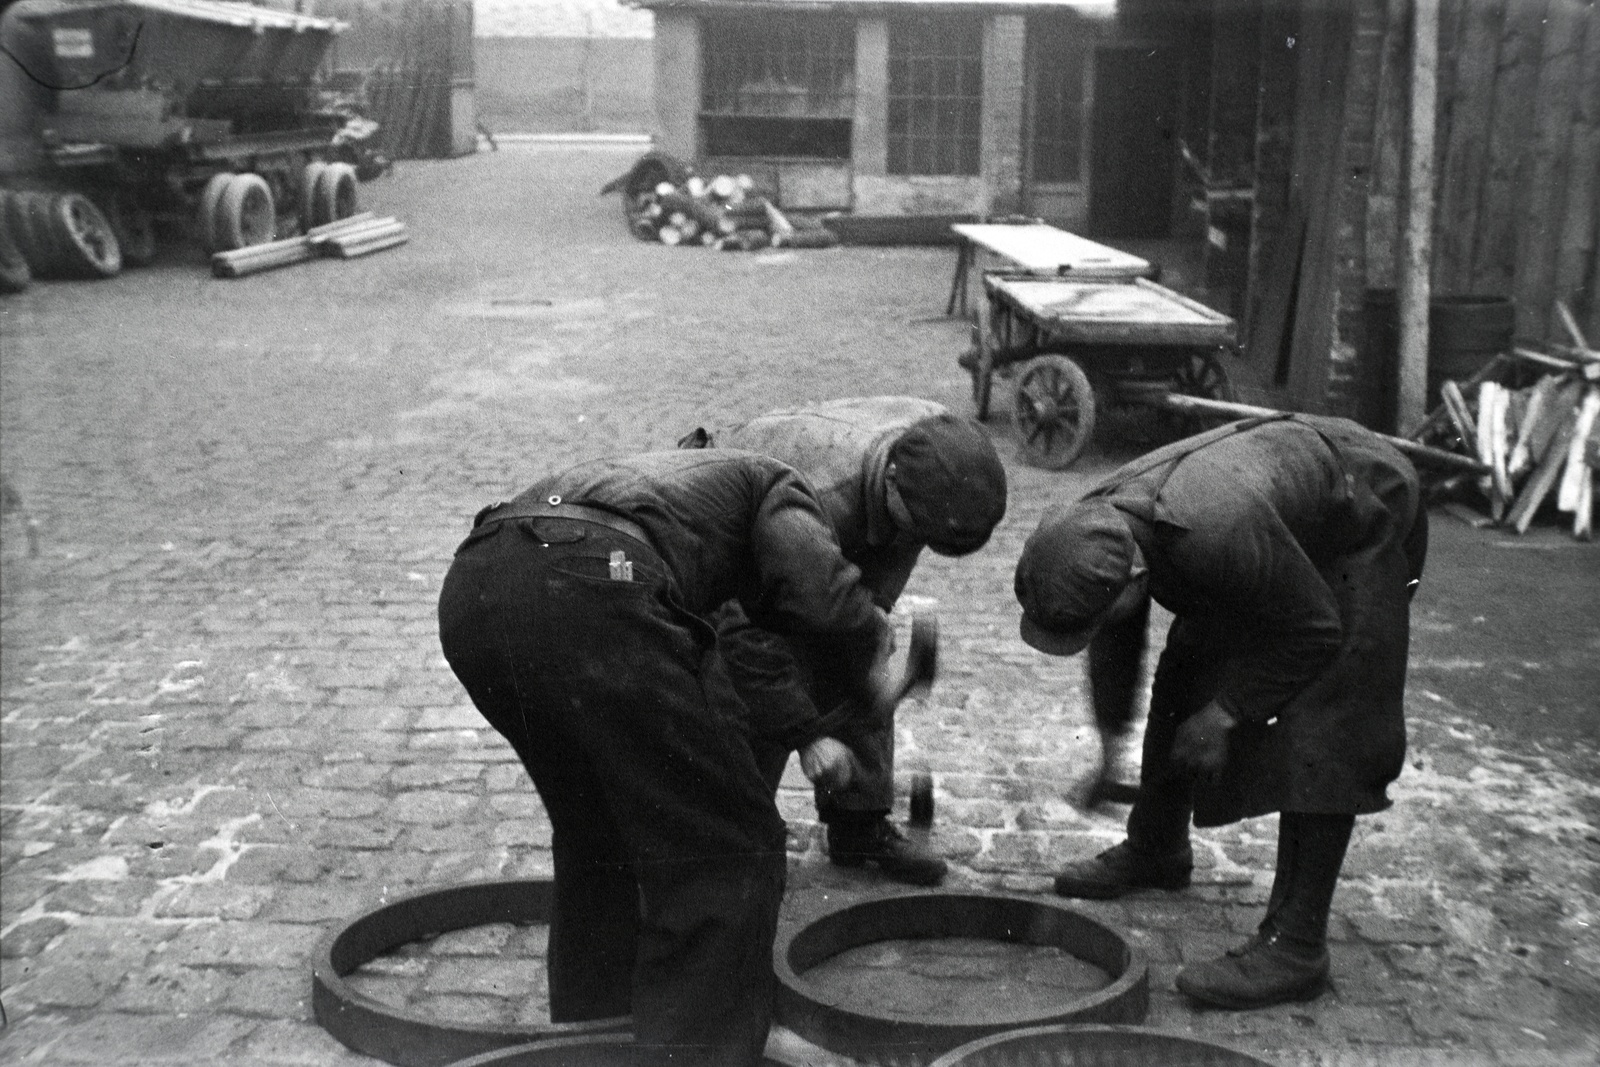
(1335, 746)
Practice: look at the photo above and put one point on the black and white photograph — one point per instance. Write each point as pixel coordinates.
(799, 533)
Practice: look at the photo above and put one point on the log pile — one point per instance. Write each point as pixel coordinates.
(1535, 439)
(358, 235)
(723, 213)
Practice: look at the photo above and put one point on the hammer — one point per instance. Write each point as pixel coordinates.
(922, 664)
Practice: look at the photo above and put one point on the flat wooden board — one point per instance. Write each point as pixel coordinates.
(1040, 249)
(1130, 312)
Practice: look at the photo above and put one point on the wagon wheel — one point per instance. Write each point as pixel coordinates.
(1203, 375)
(1053, 405)
(88, 243)
(982, 368)
(38, 237)
(245, 214)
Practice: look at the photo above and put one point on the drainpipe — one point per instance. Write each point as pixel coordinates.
(1415, 293)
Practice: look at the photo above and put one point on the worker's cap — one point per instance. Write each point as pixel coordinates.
(1073, 566)
(951, 481)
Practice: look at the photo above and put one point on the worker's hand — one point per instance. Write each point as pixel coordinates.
(828, 762)
(1201, 744)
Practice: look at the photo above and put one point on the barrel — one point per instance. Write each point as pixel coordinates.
(1464, 333)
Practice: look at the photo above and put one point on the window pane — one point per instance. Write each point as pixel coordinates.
(935, 94)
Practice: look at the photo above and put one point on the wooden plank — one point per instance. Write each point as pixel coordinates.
(1138, 312)
(1510, 141)
(1543, 479)
(1386, 194)
(1578, 254)
(1543, 194)
(1042, 249)
(1468, 109)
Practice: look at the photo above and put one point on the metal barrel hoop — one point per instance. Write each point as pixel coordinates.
(408, 1038)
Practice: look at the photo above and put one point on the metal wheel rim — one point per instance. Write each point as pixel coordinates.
(1094, 1046)
(92, 234)
(408, 1038)
(1054, 410)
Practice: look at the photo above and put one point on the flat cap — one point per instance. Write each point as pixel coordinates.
(951, 481)
(1073, 566)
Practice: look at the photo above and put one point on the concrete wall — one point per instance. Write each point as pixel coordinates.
(564, 84)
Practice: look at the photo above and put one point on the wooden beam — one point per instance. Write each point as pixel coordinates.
(1204, 405)
(1415, 282)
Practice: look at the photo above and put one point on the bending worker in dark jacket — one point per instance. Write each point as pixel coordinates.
(575, 618)
(893, 474)
(1289, 549)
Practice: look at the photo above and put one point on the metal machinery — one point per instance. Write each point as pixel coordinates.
(203, 111)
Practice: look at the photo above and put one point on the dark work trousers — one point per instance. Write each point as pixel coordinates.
(668, 848)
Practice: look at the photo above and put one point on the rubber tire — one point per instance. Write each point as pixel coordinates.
(87, 242)
(335, 196)
(205, 218)
(15, 274)
(306, 208)
(38, 237)
(246, 214)
(1076, 385)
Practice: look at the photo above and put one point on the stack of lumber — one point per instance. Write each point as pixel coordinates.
(721, 213)
(1534, 440)
(358, 235)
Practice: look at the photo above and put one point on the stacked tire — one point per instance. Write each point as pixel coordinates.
(240, 210)
(55, 235)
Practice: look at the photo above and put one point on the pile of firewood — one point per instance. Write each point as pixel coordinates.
(722, 213)
(1534, 439)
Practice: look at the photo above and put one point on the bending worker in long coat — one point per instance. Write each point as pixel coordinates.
(894, 474)
(576, 617)
(1289, 549)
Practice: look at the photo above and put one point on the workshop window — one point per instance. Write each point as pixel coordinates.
(935, 94)
(1057, 92)
(778, 85)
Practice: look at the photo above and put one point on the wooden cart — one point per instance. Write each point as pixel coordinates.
(1067, 345)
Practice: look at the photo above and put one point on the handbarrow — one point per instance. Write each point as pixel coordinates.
(1068, 347)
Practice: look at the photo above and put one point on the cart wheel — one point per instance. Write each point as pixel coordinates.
(921, 800)
(205, 217)
(83, 233)
(306, 207)
(135, 228)
(245, 213)
(1202, 375)
(334, 197)
(1054, 410)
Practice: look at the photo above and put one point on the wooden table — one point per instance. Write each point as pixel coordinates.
(1036, 248)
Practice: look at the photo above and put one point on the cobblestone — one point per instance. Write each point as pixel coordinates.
(226, 645)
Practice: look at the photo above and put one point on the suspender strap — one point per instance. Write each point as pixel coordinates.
(1180, 449)
(556, 508)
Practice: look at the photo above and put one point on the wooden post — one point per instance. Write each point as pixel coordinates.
(1415, 288)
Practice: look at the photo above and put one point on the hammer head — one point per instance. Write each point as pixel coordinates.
(922, 655)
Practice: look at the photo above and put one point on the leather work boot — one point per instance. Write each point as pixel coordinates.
(1121, 869)
(1263, 971)
(881, 842)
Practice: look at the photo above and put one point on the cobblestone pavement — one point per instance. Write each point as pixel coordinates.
(227, 725)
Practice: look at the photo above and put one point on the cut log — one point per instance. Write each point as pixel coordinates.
(1460, 416)
(1577, 472)
(1540, 398)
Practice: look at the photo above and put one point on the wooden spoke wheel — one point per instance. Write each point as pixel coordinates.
(245, 213)
(1200, 374)
(1053, 404)
(88, 245)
